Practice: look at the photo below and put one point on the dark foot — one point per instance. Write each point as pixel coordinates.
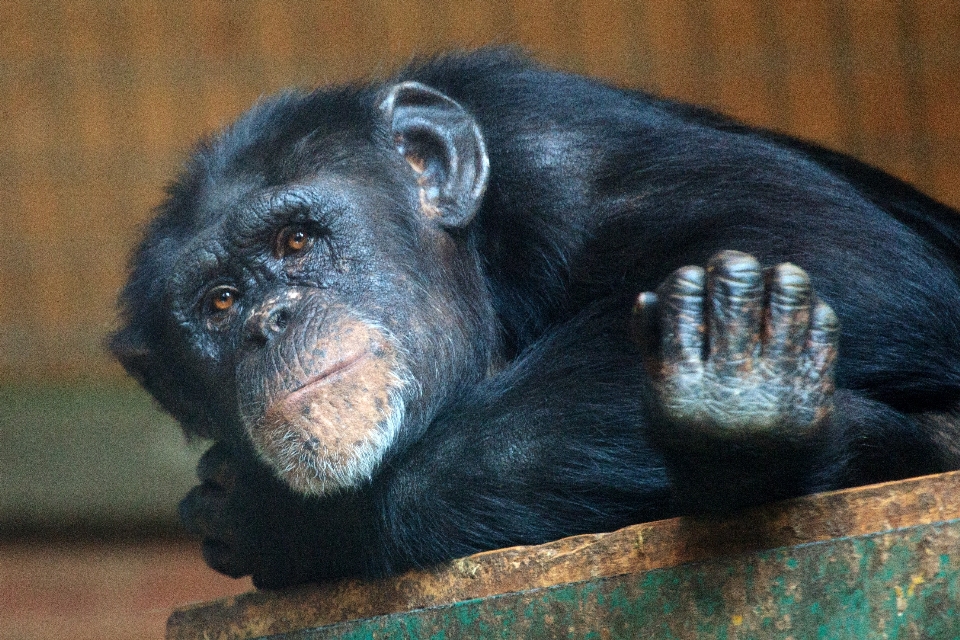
(738, 351)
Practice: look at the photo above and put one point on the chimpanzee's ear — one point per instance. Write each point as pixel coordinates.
(130, 349)
(443, 144)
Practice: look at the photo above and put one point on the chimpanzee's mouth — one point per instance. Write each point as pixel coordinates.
(324, 376)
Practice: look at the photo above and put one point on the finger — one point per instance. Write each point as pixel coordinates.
(645, 325)
(224, 558)
(217, 467)
(823, 341)
(787, 317)
(202, 513)
(735, 292)
(682, 317)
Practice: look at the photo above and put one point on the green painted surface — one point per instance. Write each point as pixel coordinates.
(90, 454)
(903, 584)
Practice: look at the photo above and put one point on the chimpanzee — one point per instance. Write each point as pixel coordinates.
(486, 303)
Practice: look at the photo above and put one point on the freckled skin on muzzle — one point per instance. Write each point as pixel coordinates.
(321, 392)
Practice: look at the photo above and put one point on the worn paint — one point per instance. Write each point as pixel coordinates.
(903, 584)
(756, 597)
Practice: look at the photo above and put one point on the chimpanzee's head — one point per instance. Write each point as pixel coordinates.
(310, 283)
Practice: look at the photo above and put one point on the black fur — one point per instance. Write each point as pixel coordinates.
(544, 426)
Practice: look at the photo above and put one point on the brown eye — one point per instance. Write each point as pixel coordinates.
(222, 299)
(291, 240)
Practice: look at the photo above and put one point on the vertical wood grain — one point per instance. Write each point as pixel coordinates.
(880, 81)
(101, 100)
(813, 99)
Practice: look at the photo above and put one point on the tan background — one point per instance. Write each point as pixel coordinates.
(100, 99)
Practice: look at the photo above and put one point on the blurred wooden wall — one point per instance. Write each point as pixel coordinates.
(99, 99)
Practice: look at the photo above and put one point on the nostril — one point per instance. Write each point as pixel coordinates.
(268, 323)
(278, 319)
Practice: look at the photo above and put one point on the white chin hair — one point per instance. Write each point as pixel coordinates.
(310, 468)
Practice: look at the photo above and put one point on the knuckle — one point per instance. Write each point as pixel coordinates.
(789, 275)
(825, 318)
(216, 467)
(736, 266)
(686, 283)
(221, 557)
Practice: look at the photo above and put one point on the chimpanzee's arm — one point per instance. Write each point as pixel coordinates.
(550, 446)
(575, 436)
(737, 408)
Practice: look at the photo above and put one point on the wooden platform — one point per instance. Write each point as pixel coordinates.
(873, 562)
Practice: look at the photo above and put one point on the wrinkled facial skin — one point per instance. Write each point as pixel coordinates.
(323, 404)
(311, 287)
(331, 344)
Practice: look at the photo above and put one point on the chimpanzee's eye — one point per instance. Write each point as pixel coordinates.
(291, 240)
(221, 299)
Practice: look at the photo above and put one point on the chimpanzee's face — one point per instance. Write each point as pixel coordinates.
(293, 296)
(323, 314)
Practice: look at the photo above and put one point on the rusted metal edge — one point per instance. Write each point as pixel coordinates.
(634, 549)
(897, 585)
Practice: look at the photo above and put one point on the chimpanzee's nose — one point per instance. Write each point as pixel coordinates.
(268, 321)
